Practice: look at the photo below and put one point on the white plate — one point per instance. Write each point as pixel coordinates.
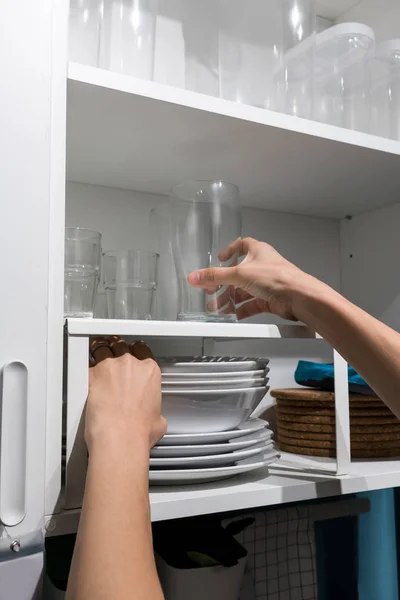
(206, 364)
(247, 441)
(248, 427)
(187, 476)
(214, 460)
(215, 376)
(203, 384)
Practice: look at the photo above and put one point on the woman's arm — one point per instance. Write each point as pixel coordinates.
(372, 348)
(266, 282)
(113, 556)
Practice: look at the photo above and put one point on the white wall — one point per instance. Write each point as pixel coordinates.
(370, 251)
(382, 15)
(123, 219)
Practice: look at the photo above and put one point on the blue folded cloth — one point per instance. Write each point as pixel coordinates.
(321, 376)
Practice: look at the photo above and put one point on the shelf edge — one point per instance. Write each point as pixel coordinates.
(176, 329)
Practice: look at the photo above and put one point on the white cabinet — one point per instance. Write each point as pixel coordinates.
(32, 137)
(126, 143)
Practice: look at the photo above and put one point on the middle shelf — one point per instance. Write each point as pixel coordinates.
(185, 329)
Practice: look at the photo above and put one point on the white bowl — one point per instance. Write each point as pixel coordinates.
(205, 411)
(203, 384)
(207, 364)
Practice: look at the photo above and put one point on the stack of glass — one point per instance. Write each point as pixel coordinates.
(130, 278)
(81, 271)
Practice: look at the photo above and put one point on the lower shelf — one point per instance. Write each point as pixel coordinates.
(291, 479)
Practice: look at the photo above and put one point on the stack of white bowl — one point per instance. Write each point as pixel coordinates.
(208, 403)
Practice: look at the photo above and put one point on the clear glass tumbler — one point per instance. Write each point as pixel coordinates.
(84, 31)
(165, 299)
(250, 51)
(130, 278)
(295, 77)
(205, 219)
(127, 40)
(81, 271)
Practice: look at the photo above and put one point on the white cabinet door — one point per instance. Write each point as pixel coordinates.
(32, 121)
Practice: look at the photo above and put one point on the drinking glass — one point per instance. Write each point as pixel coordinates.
(165, 299)
(84, 31)
(250, 51)
(127, 40)
(130, 278)
(205, 218)
(81, 271)
(295, 78)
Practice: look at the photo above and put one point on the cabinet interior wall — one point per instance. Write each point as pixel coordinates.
(370, 251)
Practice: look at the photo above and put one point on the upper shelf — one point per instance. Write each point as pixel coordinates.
(133, 134)
(87, 327)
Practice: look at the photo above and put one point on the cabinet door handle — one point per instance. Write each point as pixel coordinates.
(13, 443)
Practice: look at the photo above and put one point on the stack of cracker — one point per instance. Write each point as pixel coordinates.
(306, 424)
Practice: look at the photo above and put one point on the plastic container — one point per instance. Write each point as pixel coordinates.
(250, 51)
(295, 77)
(127, 40)
(84, 31)
(342, 76)
(205, 218)
(385, 90)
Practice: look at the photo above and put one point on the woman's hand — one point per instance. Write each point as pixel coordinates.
(124, 402)
(264, 281)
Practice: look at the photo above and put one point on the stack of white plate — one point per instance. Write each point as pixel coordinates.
(208, 403)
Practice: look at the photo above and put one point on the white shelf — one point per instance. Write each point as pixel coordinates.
(282, 485)
(139, 135)
(89, 327)
(291, 480)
